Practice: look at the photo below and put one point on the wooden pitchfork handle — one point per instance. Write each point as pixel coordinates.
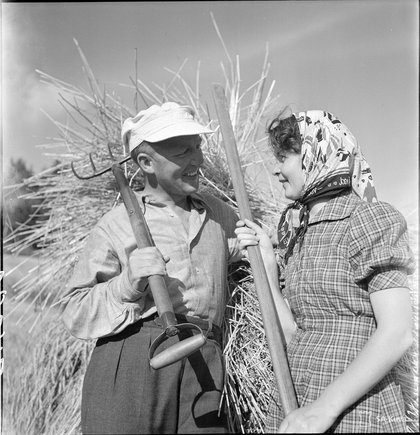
(158, 288)
(271, 321)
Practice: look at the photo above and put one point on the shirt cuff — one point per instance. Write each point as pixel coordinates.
(123, 291)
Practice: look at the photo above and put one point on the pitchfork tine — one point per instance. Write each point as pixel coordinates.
(92, 163)
(110, 152)
(80, 177)
(97, 173)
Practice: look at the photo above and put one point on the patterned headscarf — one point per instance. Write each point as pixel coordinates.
(332, 162)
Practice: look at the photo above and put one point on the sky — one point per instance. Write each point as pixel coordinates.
(356, 59)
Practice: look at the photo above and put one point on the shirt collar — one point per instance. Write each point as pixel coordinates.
(195, 200)
(337, 208)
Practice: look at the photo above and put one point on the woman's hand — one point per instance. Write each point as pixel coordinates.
(251, 234)
(312, 418)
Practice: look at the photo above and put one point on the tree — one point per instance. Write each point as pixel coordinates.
(17, 209)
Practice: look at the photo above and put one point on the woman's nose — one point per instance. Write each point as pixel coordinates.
(276, 170)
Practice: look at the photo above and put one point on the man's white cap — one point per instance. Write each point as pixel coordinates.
(158, 123)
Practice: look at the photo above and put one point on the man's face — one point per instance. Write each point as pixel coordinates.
(176, 162)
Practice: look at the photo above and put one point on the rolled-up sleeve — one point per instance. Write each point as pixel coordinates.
(379, 250)
(95, 304)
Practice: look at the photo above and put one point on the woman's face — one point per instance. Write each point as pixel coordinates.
(290, 173)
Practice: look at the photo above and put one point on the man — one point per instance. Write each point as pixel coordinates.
(109, 298)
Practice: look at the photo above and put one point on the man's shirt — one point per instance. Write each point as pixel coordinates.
(99, 301)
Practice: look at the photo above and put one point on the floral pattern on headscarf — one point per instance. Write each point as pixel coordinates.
(332, 162)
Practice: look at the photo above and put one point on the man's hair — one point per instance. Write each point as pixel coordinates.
(283, 134)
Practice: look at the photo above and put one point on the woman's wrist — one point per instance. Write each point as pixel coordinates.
(332, 403)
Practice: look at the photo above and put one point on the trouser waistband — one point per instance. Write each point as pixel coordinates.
(211, 331)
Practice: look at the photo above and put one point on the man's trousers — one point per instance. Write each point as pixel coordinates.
(122, 394)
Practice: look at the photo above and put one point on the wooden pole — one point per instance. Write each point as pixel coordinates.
(183, 348)
(271, 321)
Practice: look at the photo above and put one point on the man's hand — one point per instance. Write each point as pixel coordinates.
(144, 263)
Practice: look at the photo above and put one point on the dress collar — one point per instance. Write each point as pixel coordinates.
(336, 208)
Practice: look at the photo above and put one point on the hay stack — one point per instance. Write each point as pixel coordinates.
(46, 397)
(73, 207)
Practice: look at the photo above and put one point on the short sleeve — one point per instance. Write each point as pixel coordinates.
(379, 250)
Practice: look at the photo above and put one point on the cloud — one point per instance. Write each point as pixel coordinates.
(354, 29)
(24, 124)
(23, 94)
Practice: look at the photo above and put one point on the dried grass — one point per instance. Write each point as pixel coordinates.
(45, 398)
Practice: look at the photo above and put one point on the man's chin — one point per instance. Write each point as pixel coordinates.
(192, 186)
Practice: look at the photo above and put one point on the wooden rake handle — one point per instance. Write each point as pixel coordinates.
(271, 321)
(144, 240)
(157, 285)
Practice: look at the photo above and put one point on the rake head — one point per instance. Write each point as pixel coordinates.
(96, 172)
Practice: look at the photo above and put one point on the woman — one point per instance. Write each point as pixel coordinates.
(343, 267)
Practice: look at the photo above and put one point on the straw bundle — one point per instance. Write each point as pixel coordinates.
(46, 397)
(72, 207)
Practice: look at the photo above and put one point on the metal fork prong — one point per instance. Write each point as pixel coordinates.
(92, 162)
(125, 159)
(95, 172)
(80, 177)
(110, 152)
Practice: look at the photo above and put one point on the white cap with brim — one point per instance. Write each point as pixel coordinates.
(158, 123)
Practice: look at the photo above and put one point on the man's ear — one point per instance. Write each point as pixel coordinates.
(145, 163)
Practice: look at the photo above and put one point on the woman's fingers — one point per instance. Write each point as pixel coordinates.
(250, 233)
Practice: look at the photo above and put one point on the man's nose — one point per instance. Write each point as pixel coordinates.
(197, 158)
